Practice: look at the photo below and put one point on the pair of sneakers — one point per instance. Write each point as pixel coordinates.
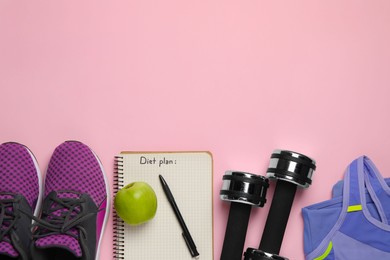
(62, 220)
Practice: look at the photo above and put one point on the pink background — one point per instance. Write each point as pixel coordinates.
(236, 77)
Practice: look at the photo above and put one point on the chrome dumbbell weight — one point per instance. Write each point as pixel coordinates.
(243, 190)
(291, 170)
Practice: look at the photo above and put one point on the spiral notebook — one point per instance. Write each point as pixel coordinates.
(189, 176)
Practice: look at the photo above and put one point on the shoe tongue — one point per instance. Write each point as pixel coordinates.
(62, 240)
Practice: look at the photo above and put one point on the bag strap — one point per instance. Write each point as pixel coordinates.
(351, 191)
(361, 175)
(373, 175)
(378, 189)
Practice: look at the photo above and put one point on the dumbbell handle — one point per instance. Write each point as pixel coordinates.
(236, 228)
(277, 219)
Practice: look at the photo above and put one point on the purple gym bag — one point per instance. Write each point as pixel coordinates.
(354, 225)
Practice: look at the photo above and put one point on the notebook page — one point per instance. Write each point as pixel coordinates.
(189, 176)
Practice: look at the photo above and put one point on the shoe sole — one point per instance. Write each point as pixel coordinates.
(40, 184)
(108, 205)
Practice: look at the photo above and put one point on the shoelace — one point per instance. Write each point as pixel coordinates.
(62, 218)
(8, 218)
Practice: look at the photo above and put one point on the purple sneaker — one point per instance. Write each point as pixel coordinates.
(75, 207)
(20, 196)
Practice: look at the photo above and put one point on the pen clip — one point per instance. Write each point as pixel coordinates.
(191, 246)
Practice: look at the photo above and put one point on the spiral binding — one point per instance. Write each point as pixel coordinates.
(119, 225)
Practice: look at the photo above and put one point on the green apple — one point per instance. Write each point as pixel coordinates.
(136, 203)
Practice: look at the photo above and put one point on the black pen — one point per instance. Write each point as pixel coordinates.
(186, 234)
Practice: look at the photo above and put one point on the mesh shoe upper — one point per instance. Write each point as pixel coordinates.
(75, 201)
(73, 166)
(18, 172)
(19, 192)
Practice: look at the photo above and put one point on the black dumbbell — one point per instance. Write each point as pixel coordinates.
(243, 190)
(291, 170)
